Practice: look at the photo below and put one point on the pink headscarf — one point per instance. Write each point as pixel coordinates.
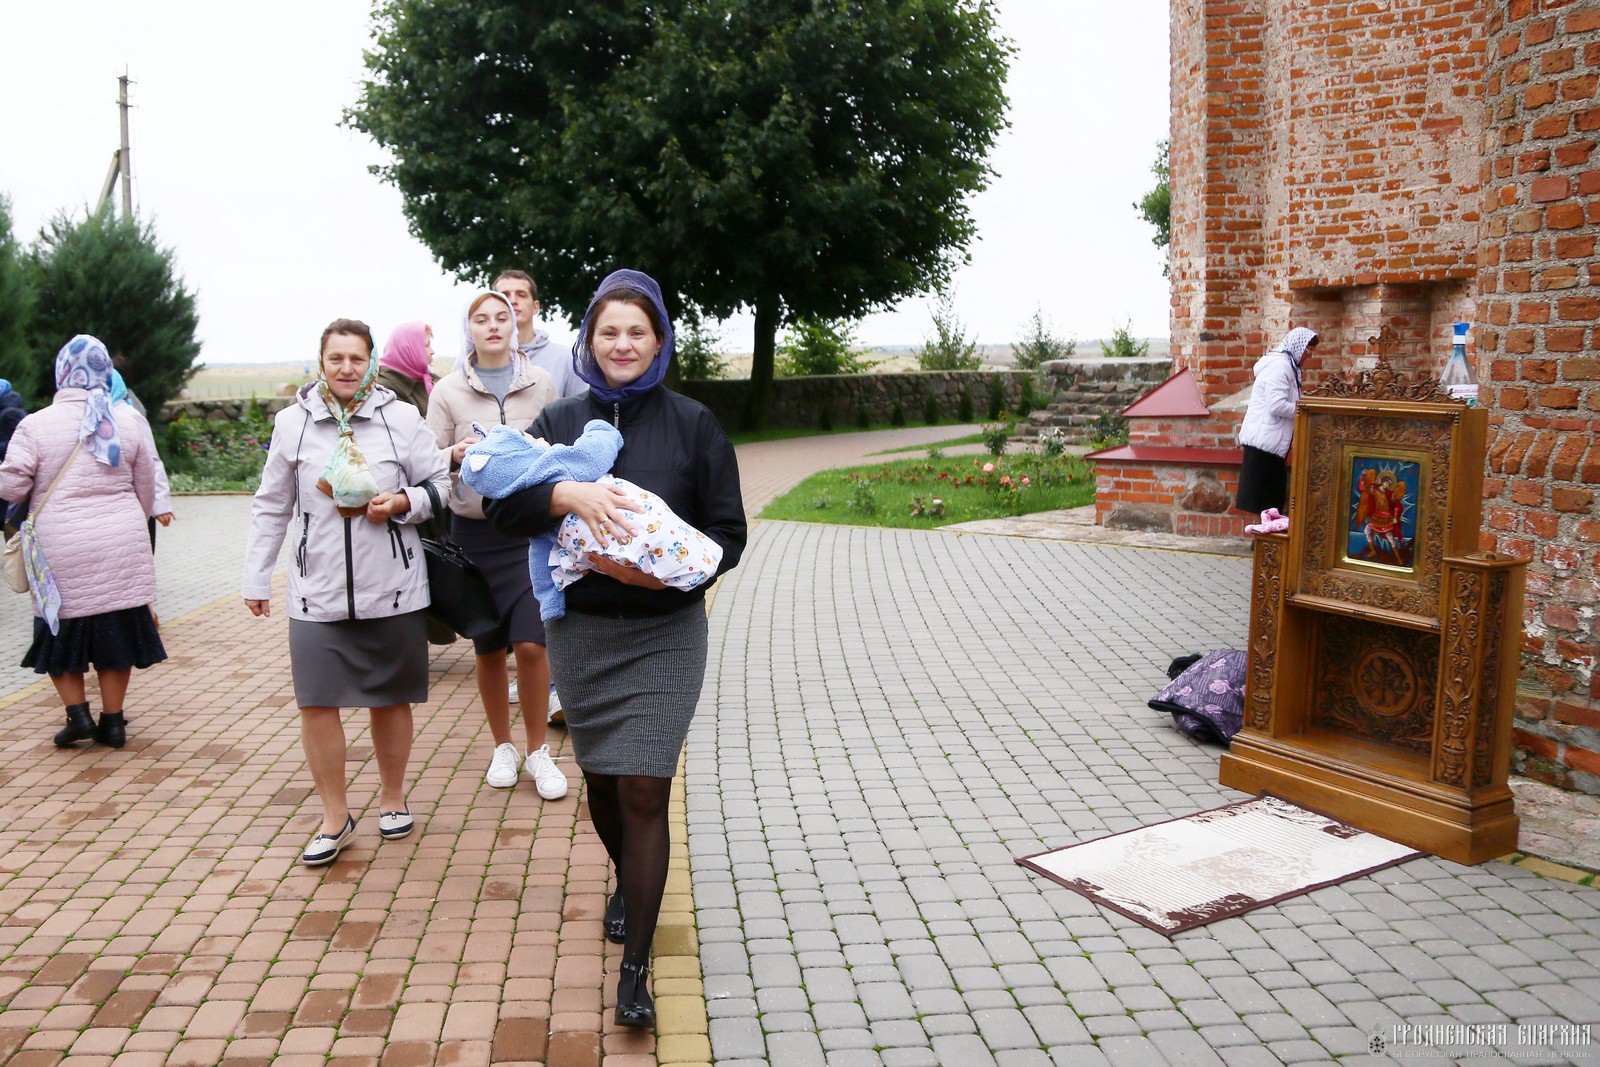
(407, 352)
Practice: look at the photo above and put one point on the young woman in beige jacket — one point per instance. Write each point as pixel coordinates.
(494, 384)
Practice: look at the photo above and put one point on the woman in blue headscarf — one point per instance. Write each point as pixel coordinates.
(629, 655)
(85, 468)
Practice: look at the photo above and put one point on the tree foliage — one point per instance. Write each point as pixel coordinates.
(948, 347)
(817, 346)
(1039, 344)
(17, 364)
(109, 277)
(790, 157)
(697, 354)
(1156, 205)
(1123, 345)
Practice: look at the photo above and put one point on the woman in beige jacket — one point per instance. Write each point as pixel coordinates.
(494, 384)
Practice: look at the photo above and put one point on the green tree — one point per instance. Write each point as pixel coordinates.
(1156, 205)
(790, 157)
(17, 361)
(818, 346)
(697, 355)
(1123, 344)
(109, 277)
(948, 348)
(1039, 345)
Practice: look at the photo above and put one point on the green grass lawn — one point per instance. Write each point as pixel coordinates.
(886, 494)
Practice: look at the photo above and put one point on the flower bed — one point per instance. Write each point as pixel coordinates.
(935, 491)
(206, 456)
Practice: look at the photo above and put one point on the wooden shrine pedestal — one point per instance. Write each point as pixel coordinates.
(1383, 647)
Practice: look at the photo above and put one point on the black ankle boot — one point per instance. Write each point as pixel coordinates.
(113, 729)
(634, 1004)
(80, 726)
(616, 920)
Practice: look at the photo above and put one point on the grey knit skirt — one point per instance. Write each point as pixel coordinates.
(629, 687)
(359, 663)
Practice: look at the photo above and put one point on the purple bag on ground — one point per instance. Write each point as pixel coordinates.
(1206, 695)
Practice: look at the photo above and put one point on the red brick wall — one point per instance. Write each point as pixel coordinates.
(1538, 307)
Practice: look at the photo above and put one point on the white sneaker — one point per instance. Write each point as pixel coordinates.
(557, 716)
(503, 767)
(551, 783)
(511, 693)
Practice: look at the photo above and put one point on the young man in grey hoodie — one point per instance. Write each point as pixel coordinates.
(519, 288)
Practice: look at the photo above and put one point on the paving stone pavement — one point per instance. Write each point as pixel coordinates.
(883, 731)
(886, 730)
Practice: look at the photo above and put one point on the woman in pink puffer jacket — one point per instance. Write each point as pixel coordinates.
(92, 532)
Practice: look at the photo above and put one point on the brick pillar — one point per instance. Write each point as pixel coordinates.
(1537, 336)
(1218, 142)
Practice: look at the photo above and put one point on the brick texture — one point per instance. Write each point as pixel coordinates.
(1346, 165)
(1536, 270)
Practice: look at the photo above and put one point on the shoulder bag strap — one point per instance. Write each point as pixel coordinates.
(434, 528)
(34, 513)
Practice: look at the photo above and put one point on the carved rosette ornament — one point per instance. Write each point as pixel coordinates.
(1371, 687)
(1266, 593)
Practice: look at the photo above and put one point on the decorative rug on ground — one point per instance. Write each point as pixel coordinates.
(1189, 871)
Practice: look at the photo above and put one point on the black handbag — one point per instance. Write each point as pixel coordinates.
(459, 594)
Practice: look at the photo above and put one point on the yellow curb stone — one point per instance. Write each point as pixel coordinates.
(678, 1049)
(680, 1015)
(1554, 870)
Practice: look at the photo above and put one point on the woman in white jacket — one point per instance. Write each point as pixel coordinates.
(359, 582)
(1268, 427)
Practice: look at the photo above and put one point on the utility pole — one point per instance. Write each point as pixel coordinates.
(125, 160)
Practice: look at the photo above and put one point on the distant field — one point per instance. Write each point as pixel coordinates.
(232, 380)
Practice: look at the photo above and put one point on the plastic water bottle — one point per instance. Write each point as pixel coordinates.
(1458, 379)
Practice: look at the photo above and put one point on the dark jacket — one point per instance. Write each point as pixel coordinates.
(672, 446)
(11, 412)
(406, 388)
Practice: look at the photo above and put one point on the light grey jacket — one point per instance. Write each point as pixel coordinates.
(344, 568)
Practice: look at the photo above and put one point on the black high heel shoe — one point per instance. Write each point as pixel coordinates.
(635, 1007)
(616, 920)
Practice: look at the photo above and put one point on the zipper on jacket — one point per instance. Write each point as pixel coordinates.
(305, 532)
(349, 571)
(397, 545)
(502, 405)
(616, 416)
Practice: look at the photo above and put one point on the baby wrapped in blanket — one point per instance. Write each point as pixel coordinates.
(667, 548)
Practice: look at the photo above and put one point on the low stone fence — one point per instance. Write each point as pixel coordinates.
(845, 399)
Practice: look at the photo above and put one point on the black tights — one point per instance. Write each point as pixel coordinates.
(630, 814)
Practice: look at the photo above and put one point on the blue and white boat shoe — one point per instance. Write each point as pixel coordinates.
(394, 825)
(325, 848)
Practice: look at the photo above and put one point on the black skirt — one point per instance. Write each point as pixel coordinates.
(1263, 481)
(111, 641)
(504, 563)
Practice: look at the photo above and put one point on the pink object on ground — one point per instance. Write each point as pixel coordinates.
(1271, 522)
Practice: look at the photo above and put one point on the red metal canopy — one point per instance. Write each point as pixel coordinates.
(1179, 396)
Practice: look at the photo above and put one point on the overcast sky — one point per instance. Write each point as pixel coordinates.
(239, 158)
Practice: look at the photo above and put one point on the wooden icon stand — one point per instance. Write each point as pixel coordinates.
(1383, 646)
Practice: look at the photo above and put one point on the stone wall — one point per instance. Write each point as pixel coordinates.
(800, 403)
(1537, 334)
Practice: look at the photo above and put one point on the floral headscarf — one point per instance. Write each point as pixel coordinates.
(83, 363)
(467, 347)
(583, 361)
(1294, 345)
(406, 351)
